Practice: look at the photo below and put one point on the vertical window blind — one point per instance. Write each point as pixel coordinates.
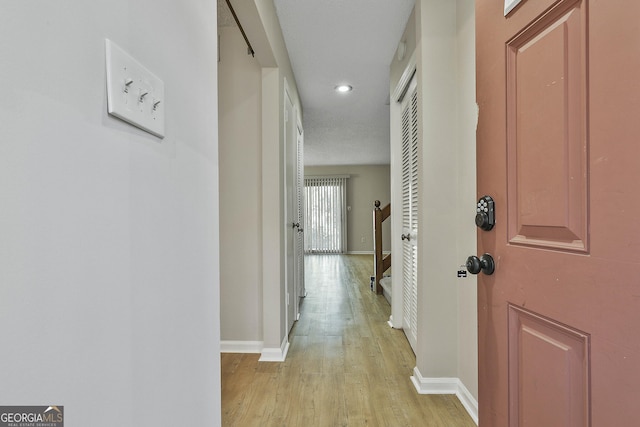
(325, 214)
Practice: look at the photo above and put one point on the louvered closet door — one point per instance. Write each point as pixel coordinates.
(410, 213)
(301, 292)
(290, 178)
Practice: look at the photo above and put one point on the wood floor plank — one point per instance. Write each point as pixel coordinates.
(236, 384)
(358, 400)
(345, 366)
(314, 355)
(334, 360)
(259, 405)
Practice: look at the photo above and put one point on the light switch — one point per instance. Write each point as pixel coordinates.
(134, 94)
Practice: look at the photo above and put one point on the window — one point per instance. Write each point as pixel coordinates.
(325, 215)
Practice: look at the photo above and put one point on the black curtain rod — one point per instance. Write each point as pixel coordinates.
(233, 12)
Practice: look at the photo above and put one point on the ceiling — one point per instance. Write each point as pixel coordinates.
(333, 42)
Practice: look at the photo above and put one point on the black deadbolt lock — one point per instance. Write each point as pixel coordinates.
(485, 213)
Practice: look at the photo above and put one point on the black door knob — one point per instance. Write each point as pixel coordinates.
(485, 263)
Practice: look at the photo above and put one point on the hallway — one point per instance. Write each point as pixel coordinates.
(345, 366)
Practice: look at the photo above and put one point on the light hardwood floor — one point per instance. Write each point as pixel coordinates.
(345, 367)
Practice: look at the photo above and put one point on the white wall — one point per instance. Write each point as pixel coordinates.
(447, 312)
(109, 236)
(240, 103)
(437, 244)
(445, 56)
(275, 331)
(260, 22)
(465, 219)
(367, 184)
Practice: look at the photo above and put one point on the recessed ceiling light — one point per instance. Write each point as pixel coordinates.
(344, 88)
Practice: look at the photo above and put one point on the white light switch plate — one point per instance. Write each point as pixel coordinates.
(134, 94)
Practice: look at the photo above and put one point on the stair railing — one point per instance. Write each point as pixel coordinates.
(381, 263)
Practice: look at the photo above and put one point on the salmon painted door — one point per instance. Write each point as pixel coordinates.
(558, 148)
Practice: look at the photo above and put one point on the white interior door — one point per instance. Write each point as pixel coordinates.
(291, 214)
(410, 213)
(299, 238)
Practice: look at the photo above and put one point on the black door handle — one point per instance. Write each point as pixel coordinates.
(485, 263)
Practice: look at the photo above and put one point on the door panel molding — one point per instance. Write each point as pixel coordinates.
(549, 367)
(547, 137)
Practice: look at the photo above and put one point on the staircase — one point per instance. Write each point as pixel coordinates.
(380, 284)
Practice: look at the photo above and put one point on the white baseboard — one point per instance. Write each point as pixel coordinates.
(468, 401)
(266, 354)
(446, 386)
(365, 252)
(393, 324)
(241, 346)
(275, 354)
(390, 321)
